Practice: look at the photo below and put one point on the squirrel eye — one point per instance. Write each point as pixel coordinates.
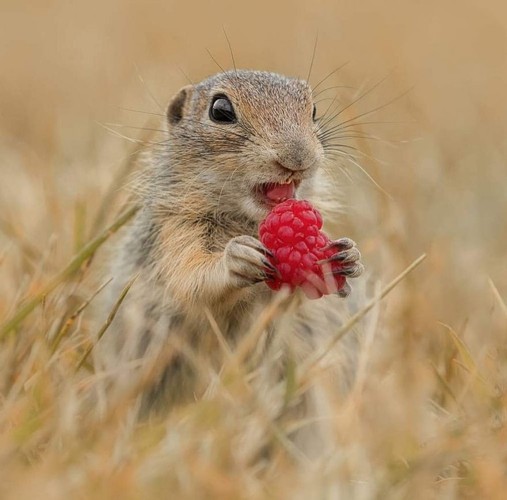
(314, 112)
(221, 110)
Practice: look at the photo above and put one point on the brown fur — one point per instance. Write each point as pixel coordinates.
(189, 243)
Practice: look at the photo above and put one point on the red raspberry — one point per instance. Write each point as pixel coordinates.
(292, 232)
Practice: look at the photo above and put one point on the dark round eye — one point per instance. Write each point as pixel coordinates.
(221, 110)
(314, 112)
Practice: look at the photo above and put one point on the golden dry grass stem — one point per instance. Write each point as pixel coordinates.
(66, 326)
(79, 225)
(236, 363)
(12, 231)
(79, 260)
(222, 342)
(426, 415)
(353, 320)
(498, 297)
(247, 345)
(236, 366)
(123, 172)
(109, 320)
(474, 376)
(296, 379)
(235, 360)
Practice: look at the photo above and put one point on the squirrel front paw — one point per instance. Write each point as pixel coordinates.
(349, 259)
(246, 262)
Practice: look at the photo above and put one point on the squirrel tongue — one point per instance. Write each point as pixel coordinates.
(280, 192)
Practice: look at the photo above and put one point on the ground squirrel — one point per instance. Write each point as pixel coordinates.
(236, 144)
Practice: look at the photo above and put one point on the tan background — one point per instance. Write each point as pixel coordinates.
(67, 68)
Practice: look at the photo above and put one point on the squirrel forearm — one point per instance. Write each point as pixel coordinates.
(191, 273)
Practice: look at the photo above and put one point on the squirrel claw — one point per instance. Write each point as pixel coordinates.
(245, 260)
(344, 291)
(353, 271)
(348, 257)
(341, 244)
(270, 266)
(254, 243)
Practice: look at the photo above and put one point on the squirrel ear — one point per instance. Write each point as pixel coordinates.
(177, 105)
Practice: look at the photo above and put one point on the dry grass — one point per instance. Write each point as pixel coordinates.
(426, 418)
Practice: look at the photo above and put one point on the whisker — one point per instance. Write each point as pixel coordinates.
(353, 160)
(337, 150)
(313, 57)
(150, 93)
(330, 74)
(121, 136)
(369, 176)
(119, 125)
(381, 140)
(330, 147)
(325, 99)
(378, 108)
(139, 111)
(361, 96)
(321, 120)
(185, 75)
(215, 61)
(348, 87)
(353, 135)
(357, 154)
(357, 124)
(230, 49)
(222, 189)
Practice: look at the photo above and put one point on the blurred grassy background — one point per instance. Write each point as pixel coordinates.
(68, 67)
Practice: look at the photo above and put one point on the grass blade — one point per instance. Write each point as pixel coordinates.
(62, 332)
(74, 265)
(109, 320)
(498, 297)
(360, 314)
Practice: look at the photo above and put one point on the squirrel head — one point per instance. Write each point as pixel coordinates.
(248, 138)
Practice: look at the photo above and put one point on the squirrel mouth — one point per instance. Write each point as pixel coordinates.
(273, 193)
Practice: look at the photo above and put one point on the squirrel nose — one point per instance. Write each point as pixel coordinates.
(286, 170)
(290, 167)
(294, 157)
